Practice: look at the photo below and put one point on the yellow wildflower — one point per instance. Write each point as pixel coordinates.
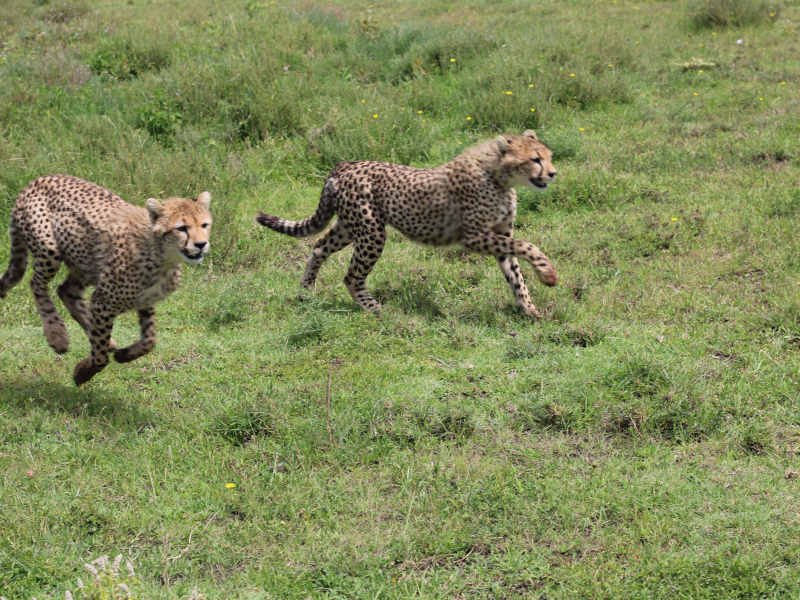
(230, 486)
(572, 74)
(469, 118)
(375, 116)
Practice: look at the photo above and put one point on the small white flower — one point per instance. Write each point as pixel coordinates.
(740, 41)
(115, 565)
(68, 595)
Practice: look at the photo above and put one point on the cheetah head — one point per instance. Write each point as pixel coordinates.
(526, 160)
(183, 224)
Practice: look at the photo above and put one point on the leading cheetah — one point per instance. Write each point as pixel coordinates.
(130, 254)
(469, 200)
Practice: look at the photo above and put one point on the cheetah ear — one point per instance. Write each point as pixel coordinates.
(531, 134)
(155, 209)
(503, 143)
(204, 199)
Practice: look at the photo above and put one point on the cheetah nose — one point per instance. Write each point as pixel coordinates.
(199, 245)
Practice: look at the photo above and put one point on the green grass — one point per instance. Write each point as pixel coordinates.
(641, 441)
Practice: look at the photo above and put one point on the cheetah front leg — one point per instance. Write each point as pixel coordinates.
(513, 274)
(505, 249)
(102, 321)
(147, 326)
(489, 242)
(509, 265)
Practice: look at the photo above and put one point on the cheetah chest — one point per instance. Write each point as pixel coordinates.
(504, 213)
(163, 285)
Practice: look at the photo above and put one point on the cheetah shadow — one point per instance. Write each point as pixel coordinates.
(112, 410)
(419, 299)
(412, 297)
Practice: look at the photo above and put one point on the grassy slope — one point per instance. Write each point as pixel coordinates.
(641, 441)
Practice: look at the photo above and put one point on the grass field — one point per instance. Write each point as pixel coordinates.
(641, 441)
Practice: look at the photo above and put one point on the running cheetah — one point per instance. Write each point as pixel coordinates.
(130, 254)
(469, 200)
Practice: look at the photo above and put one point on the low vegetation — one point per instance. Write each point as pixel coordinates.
(641, 440)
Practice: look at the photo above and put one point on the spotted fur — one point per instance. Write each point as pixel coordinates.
(132, 255)
(470, 200)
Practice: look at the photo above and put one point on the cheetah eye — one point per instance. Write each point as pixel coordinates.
(537, 160)
(205, 225)
(182, 228)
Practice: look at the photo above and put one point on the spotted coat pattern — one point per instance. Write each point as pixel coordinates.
(470, 200)
(130, 254)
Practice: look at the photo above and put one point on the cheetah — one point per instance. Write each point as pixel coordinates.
(131, 254)
(470, 200)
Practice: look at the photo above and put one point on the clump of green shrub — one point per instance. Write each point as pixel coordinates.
(122, 59)
(707, 14)
(160, 117)
(243, 422)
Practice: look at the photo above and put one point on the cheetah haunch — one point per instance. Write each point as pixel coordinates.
(130, 254)
(469, 200)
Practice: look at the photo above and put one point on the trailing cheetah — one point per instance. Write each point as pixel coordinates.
(130, 254)
(470, 200)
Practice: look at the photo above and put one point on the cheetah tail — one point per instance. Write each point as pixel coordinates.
(18, 262)
(309, 226)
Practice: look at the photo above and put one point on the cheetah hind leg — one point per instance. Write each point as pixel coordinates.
(366, 253)
(71, 294)
(18, 261)
(102, 321)
(44, 269)
(336, 238)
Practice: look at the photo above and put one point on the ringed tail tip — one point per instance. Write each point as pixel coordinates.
(266, 220)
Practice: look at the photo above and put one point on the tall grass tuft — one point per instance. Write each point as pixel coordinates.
(707, 14)
(127, 58)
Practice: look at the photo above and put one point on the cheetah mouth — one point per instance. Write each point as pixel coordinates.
(197, 257)
(538, 184)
